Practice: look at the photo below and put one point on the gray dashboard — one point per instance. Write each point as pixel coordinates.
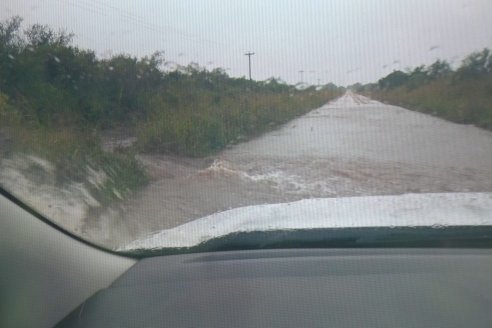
(299, 288)
(47, 276)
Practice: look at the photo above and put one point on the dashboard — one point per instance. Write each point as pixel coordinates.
(298, 288)
(48, 278)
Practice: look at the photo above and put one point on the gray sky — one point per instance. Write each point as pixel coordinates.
(344, 41)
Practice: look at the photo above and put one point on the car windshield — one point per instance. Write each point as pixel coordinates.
(143, 125)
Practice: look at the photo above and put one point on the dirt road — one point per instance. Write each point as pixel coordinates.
(352, 146)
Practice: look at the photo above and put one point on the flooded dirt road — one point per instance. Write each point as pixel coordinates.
(353, 146)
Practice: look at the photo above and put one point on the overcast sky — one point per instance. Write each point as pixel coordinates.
(344, 41)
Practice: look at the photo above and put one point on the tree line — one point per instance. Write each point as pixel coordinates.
(462, 95)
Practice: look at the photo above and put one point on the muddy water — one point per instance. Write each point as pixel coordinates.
(352, 146)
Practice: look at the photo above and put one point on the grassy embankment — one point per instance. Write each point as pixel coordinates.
(463, 95)
(56, 100)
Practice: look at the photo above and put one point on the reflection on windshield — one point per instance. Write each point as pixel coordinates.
(116, 146)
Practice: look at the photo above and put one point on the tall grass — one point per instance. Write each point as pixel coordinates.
(210, 124)
(468, 102)
(463, 95)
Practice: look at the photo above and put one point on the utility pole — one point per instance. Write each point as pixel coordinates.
(302, 72)
(249, 54)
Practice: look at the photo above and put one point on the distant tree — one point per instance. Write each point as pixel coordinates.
(438, 69)
(393, 80)
(40, 35)
(9, 33)
(333, 87)
(275, 84)
(10, 45)
(475, 65)
(417, 77)
(357, 87)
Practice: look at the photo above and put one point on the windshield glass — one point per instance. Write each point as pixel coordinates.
(167, 123)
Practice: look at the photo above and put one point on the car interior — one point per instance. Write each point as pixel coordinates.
(52, 279)
(224, 163)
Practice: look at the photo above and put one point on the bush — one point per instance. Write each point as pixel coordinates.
(217, 119)
(461, 96)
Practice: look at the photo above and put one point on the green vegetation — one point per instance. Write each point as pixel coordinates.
(76, 154)
(463, 95)
(202, 112)
(57, 99)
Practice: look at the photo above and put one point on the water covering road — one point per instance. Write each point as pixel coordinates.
(353, 146)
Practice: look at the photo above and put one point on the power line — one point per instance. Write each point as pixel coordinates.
(101, 8)
(141, 20)
(103, 12)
